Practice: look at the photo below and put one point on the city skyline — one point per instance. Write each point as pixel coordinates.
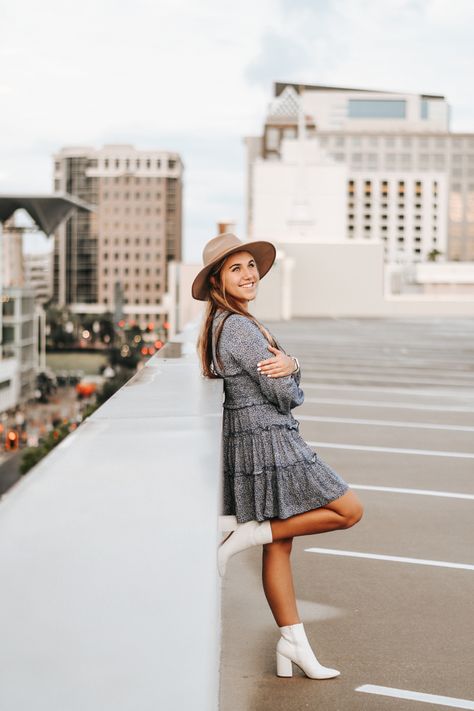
(198, 80)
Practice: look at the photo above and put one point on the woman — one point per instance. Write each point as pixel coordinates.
(274, 483)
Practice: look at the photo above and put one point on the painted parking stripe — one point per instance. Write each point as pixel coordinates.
(444, 392)
(394, 450)
(391, 558)
(387, 423)
(464, 380)
(450, 701)
(420, 492)
(380, 403)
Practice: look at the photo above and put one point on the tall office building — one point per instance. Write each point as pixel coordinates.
(409, 180)
(124, 246)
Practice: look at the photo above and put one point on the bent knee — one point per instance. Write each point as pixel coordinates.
(354, 515)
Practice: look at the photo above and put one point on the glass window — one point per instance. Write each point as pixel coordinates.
(27, 306)
(424, 109)
(8, 306)
(8, 334)
(376, 108)
(272, 139)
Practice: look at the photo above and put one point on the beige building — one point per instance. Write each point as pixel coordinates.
(121, 250)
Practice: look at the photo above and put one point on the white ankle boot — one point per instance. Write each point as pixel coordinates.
(293, 646)
(250, 533)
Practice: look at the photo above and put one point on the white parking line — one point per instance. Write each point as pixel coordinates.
(392, 558)
(450, 701)
(394, 450)
(421, 492)
(387, 423)
(379, 403)
(437, 392)
(357, 378)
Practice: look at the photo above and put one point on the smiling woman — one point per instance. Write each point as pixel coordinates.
(275, 485)
(240, 275)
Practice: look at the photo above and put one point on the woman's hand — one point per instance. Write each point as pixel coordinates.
(278, 366)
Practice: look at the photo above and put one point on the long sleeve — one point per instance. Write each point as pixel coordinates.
(247, 346)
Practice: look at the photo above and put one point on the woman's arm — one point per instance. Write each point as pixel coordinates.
(247, 345)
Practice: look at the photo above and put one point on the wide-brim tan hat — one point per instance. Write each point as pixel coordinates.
(221, 246)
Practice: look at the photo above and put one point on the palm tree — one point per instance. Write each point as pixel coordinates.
(433, 255)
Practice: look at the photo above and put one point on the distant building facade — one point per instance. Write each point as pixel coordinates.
(38, 273)
(409, 180)
(22, 316)
(135, 230)
(20, 337)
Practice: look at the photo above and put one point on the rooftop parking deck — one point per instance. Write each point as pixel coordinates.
(389, 404)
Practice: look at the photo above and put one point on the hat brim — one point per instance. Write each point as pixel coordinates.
(263, 252)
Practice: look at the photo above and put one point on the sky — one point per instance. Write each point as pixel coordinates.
(197, 77)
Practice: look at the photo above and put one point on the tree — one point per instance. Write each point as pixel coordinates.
(433, 255)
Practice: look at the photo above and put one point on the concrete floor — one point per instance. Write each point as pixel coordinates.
(388, 403)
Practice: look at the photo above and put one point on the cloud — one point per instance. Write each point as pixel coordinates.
(279, 56)
(197, 77)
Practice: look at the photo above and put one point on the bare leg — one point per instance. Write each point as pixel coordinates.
(278, 582)
(276, 567)
(341, 513)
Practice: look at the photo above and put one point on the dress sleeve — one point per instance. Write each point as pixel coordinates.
(247, 346)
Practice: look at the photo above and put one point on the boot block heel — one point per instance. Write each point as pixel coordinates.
(284, 667)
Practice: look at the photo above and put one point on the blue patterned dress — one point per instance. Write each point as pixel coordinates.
(269, 470)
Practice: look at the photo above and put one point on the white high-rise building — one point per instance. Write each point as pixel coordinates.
(404, 178)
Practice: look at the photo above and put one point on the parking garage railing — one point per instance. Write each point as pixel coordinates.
(110, 597)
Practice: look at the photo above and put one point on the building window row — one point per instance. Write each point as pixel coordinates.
(138, 256)
(422, 143)
(138, 240)
(129, 180)
(126, 196)
(138, 163)
(138, 271)
(138, 285)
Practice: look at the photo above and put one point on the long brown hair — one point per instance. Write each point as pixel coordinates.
(218, 298)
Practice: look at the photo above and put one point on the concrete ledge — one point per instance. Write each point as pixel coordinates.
(110, 597)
